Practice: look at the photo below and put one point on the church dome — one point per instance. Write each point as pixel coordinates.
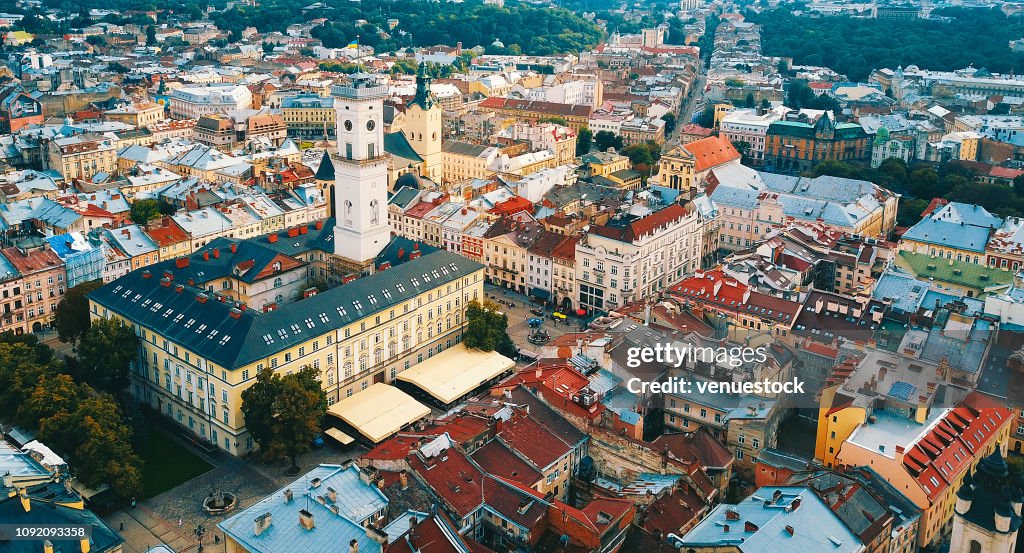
(498, 43)
(882, 135)
(410, 179)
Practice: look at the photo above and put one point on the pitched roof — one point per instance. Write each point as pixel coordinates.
(231, 342)
(632, 229)
(711, 151)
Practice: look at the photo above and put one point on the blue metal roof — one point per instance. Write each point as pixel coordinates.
(902, 390)
(950, 235)
(331, 530)
(815, 528)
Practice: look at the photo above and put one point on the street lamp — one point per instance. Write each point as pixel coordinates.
(200, 531)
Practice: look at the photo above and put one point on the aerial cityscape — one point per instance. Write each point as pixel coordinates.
(511, 276)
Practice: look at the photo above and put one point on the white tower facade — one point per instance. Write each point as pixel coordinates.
(361, 228)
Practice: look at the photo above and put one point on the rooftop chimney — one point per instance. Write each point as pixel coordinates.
(790, 530)
(146, 274)
(288, 496)
(272, 238)
(47, 546)
(181, 262)
(234, 247)
(353, 546)
(216, 253)
(403, 477)
(262, 522)
(306, 519)
(25, 503)
(332, 494)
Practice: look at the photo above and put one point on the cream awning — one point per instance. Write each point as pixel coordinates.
(379, 411)
(456, 372)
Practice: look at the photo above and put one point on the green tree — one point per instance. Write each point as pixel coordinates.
(607, 139)
(21, 369)
(144, 211)
(98, 441)
(58, 393)
(670, 122)
(283, 414)
(105, 354)
(258, 408)
(151, 36)
(643, 156)
(707, 117)
(743, 147)
(1018, 185)
(555, 120)
(750, 100)
(487, 329)
(299, 410)
(72, 315)
(583, 140)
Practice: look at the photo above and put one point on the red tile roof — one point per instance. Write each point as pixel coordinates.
(699, 446)
(938, 459)
(671, 512)
(166, 232)
(715, 289)
(531, 440)
(497, 459)
(643, 226)
(711, 152)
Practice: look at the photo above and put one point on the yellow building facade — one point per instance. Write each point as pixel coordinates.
(195, 362)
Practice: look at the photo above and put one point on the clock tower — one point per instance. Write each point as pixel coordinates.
(360, 199)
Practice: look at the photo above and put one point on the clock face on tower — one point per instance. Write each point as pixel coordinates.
(348, 125)
(370, 125)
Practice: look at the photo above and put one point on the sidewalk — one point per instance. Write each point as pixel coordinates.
(144, 529)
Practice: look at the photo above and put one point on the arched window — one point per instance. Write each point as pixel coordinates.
(975, 546)
(374, 212)
(362, 363)
(406, 343)
(278, 282)
(348, 213)
(348, 369)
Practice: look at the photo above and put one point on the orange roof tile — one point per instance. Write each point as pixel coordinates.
(711, 152)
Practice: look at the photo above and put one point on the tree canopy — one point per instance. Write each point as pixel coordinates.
(86, 427)
(583, 139)
(283, 413)
(529, 29)
(149, 209)
(72, 315)
(105, 353)
(487, 329)
(855, 46)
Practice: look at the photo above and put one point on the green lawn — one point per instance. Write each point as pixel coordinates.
(167, 464)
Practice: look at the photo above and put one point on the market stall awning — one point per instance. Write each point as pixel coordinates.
(379, 411)
(456, 372)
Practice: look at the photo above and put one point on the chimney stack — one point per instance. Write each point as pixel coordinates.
(403, 477)
(332, 495)
(288, 496)
(306, 519)
(262, 522)
(353, 546)
(25, 503)
(47, 546)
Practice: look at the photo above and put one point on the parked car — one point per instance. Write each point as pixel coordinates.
(537, 312)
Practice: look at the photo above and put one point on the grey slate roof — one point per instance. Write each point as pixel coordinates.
(175, 312)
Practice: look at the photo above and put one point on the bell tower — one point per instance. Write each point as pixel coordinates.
(361, 228)
(423, 126)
